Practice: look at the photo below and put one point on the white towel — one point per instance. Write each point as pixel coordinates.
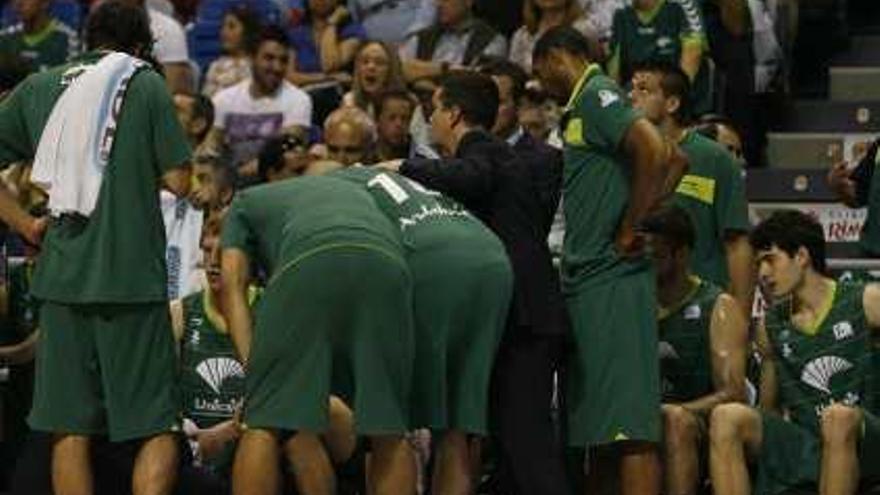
(78, 137)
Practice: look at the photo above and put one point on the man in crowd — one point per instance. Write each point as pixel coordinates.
(260, 107)
(512, 199)
(213, 181)
(169, 48)
(298, 232)
(860, 187)
(349, 136)
(703, 347)
(457, 38)
(196, 115)
(106, 341)
(38, 38)
(394, 111)
(284, 157)
(617, 169)
(712, 191)
(814, 426)
(393, 21)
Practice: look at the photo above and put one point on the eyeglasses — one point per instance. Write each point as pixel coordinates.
(293, 143)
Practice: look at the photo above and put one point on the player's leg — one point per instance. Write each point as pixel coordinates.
(311, 464)
(71, 469)
(735, 433)
(681, 442)
(453, 465)
(639, 468)
(392, 466)
(255, 470)
(155, 467)
(841, 428)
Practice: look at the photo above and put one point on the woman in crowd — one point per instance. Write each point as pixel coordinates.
(324, 43)
(237, 36)
(541, 15)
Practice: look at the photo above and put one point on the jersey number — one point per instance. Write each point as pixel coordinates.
(393, 189)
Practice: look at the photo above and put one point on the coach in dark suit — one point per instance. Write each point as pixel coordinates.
(516, 197)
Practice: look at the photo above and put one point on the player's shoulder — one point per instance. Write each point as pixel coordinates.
(601, 92)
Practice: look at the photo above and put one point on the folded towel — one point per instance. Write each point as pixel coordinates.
(78, 137)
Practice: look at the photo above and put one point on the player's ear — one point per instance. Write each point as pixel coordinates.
(673, 103)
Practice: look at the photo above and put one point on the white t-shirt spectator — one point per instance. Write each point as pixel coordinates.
(170, 38)
(601, 14)
(247, 122)
(522, 43)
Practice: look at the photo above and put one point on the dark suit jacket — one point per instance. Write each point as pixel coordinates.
(515, 195)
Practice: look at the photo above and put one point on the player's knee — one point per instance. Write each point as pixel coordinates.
(726, 423)
(680, 426)
(840, 425)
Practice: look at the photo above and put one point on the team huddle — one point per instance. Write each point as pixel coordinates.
(374, 301)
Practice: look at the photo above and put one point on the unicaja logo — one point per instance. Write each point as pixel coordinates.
(215, 371)
(818, 372)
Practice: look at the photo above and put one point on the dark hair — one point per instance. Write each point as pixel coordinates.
(715, 120)
(476, 95)
(203, 108)
(250, 23)
(501, 67)
(567, 39)
(116, 25)
(221, 166)
(673, 223)
(790, 230)
(271, 32)
(271, 156)
(393, 94)
(673, 82)
(13, 70)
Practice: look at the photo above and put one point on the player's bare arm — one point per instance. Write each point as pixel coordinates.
(647, 154)
(871, 303)
(728, 343)
(234, 267)
(768, 399)
(740, 267)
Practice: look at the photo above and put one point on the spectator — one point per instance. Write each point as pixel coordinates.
(238, 34)
(720, 129)
(601, 13)
(169, 49)
(858, 188)
(392, 21)
(541, 15)
(38, 38)
(196, 115)
(213, 181)
(13, 70)
(712, 191)
(324, 43)
(377, 69)
(350, 136)
(394, 112)
(260, 107)
(534, 114)
(283, 157)
(456, 38)
(662, 31)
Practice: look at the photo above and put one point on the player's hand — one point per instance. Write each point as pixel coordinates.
(35, 230)
(213, 440)
(629, 242)
(392, 165)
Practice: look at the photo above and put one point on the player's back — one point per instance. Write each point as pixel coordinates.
(427, 220)
(293, 216)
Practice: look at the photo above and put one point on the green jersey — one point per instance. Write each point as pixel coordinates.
(275, 224)
(117, 255)
(595, 181)
(713, 193)
(659, 36)
(870, 241)
(685, 338)
(427, 219)
(53, 45)
(829, 363)
(21, 306)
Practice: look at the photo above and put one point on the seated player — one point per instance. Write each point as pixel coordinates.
(813, 426)
(338, 301)
(462, 284)
(703, 342)
(213, 180)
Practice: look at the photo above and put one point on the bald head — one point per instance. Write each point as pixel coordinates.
(349, 134)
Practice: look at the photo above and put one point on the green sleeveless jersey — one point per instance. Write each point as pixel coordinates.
(684, 345)
(426, 218)
(830, 365)
(211, 377)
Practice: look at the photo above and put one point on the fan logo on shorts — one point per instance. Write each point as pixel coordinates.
(667, 351)
(215, 371)
(693, 312)
(818, 372)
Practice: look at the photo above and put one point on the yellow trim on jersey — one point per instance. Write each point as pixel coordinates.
(647, 17)
(696, 283)
(699, 188)
(589, 72)
(574, 132)
(813, 329)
